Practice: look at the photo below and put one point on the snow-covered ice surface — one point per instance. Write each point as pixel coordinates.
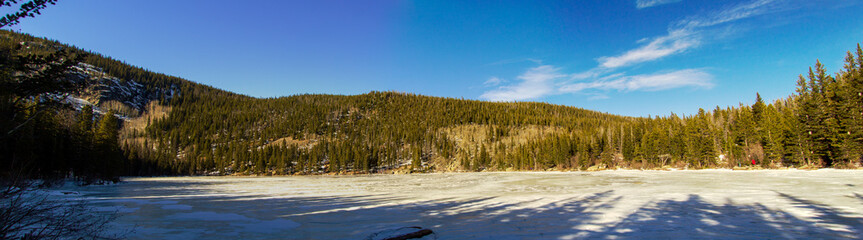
(770, 204)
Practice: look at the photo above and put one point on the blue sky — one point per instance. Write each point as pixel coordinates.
(629, 57)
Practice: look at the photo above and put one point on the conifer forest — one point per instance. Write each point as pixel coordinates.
(171, 126)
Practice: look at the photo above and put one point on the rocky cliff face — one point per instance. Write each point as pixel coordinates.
(127, 96)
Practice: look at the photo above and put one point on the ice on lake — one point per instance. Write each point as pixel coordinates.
(726, 204)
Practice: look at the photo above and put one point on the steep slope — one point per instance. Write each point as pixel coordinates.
(174, 126)
(332, 130)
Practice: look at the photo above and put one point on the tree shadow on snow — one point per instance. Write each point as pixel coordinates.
(355, 217)
(488, 218)
(696, 218)
(359, 216)
(824, 215)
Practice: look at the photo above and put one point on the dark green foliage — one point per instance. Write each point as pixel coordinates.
(40, 135)
(829, 114)
(381, 130)
(210, 131)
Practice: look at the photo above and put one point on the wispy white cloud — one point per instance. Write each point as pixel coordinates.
(682, 36)
(534, 60)
(592, 73)
(733, 13)
(675, 42)
(694, 78)
(597, 96)
(687, 33)
(652, 3)
(535, 82)
(548, 80)
(493, 81)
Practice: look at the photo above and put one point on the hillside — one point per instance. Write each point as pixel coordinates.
(175, 126)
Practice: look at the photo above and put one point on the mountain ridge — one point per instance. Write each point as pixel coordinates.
(200, 129)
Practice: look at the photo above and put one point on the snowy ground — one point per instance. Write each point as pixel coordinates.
(610, 204)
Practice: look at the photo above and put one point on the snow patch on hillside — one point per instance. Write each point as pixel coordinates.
(105, 87)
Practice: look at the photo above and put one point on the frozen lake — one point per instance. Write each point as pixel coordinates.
(549, 205)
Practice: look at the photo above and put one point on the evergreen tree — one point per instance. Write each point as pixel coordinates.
(416, 159)
(109, 159)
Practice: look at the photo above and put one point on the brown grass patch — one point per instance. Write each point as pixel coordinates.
(288, 141)
(137, 125)
(472, 135)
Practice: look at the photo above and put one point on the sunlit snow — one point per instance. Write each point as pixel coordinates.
(549, 205)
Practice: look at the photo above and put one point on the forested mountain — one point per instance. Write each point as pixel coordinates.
(174, 126)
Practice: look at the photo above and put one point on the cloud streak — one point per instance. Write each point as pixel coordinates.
(535, 82)
(548, 80)
(734, 13)
(694, 78)
(682, 35)
(493, 81)
(641, 4)
(687, 33)
(675, 42)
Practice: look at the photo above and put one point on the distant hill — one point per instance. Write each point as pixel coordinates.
(175, 126)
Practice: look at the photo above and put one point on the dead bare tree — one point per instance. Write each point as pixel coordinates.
(28, 211)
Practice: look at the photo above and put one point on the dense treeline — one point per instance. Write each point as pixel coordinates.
(202, 130)
(819, 126)
(40, 137)
(364, 132)
(43, 137)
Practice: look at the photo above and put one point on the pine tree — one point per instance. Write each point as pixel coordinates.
(416, 159)
(826, 124)
(846, 102)
(109, 157)
(84, 120)
(758, 109)
(484, 158)
(807, 117)
(773, 129)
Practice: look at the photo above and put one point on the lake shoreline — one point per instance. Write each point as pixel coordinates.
(518, 171)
